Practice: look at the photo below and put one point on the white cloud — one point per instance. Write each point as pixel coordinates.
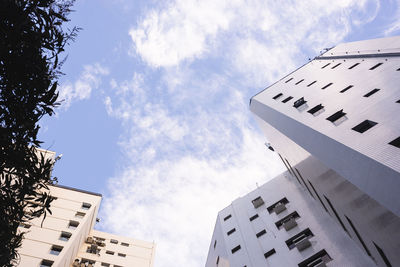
(81, 89)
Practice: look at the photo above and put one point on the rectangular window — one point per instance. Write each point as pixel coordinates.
(231, 231)
(79, 215)
(277, 96)
(375, 66)
(305, 234)
(318, 109)
(287, 99)
(215, 243)
(337, 65)
(398, 101)
(299, 102)
(364, 126)
(326, 86)
(358, 236)
(227, 217)
(55, 250)
(292, 216)
(395, 142)
(217, 260)
(353, 66)
(336, 214)
(257, 202)
(65, 236)
(124, 244)
(122, 255)
(289, 80)
(347, 88)
(337, 118)
(383, 255)
(105, 264)
(317, 259)
(113, 241)
(110, 252)
(252, 218)
(235, 249)
(269, 253)
(261, 233)
(299, 81)
(46, 263)
(308, 85)
(86, 206)
(325, 66)
(73, 224)
(301, 177)
(283, 201)
(371, 92)
(315, 192)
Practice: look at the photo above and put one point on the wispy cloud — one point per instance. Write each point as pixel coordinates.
(81, 89)
(190, 144)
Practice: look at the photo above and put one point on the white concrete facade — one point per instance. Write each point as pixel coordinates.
(63, 241)
(334, 123)
(257, 230)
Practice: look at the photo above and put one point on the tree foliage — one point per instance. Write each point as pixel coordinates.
(32, 38)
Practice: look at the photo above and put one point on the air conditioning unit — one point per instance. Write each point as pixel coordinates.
(101, 243)
(76, 263)
(279, 208)
(289, 224)
(317, 263)
(89, 240)
(258, 202)
(302, 242)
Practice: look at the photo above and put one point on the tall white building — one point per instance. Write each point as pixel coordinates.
(67, 237)
(335, 124)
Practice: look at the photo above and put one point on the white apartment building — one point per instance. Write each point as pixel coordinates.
(278, 225)
(334, 122)
(67, 237)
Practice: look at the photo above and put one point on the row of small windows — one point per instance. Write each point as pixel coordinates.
(352, 66)
(90, 263)
(298, 175)
(339, 116)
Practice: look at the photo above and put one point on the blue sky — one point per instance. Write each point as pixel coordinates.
(155, 113)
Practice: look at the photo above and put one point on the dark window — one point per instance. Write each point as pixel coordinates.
(358, 236)
(299, 81)
(122, 255)
(73, 224)
(65, 236)
(86, 206)
(215, 243)
(336, 116)
(269, 253)
(46, 263)
(231, 231)
(124, 244)
(114, 241)
(395, 142)
(235, 249)
(291, 242)
(257, 202)
(277, 96)
(289, 80)
(364, 126)
(299, 102)
(110, 252)
(287, 99)
(371, 92)
(398, 101)
(252, 218)
(398, 69)
(326, 86)
(227, 217)
(282, 201)
(383, 255)
(320, 200)
(308, 189)
(261, 233)
(337, 65)
(79, 215)
(353, 66)
(316, 259)
(217, 260)
(55, 250)
(311, 83)
(314, 110)
(375, 66)
(293, 215)
(105, 264)
(325, 66)
(336, 214)
(347, 88)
